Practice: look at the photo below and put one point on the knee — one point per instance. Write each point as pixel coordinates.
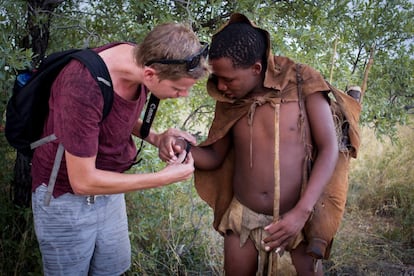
(304, 264)
(239, 260)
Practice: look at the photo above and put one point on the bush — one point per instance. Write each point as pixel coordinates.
(171, 233)
(171, 229)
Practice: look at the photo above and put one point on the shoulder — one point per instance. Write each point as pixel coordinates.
(76, 74)
(312, 80)
(309, 73)
(75, 82)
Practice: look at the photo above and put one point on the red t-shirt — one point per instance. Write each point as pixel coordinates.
(75, 117)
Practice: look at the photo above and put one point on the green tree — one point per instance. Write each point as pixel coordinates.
(346, 40)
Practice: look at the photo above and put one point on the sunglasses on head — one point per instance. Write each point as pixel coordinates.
(192, 62)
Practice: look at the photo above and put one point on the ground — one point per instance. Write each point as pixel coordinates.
(361, 248)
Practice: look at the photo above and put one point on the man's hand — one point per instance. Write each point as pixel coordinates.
(173, 142)
(285, 230)
(180, 170)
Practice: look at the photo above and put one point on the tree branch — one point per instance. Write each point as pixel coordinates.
(367, 69)
(333, 60)
(192, 114)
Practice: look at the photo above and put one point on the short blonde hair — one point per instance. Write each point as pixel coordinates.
(171, 41)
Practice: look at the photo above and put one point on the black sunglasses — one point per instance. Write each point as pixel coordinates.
(192, 62)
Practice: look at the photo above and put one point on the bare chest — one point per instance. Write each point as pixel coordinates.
(262, 124)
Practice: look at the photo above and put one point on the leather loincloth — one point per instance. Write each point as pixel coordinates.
(249, 224)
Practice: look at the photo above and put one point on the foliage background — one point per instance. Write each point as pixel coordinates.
(170, 228)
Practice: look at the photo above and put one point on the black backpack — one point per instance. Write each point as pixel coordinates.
(28, 108)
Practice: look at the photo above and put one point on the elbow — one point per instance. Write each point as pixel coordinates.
(331, 147)
(334, 155)
(79, 186)
(208, 164)
(334, 152)
(206, 158)
(78, 189)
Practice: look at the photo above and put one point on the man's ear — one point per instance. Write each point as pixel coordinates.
(149, 73)
(257, 68)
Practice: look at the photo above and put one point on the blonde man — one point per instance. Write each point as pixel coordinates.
(84, 231)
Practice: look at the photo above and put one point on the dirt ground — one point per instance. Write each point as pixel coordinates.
(360, 248)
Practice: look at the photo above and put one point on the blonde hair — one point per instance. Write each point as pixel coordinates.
(170, 41)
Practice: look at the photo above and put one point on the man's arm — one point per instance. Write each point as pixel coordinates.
(326, 143)
(212, 156)
(205, 158)
(169, 135)
(86, 179)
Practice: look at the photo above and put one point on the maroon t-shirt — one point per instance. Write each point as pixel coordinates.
(75, 117)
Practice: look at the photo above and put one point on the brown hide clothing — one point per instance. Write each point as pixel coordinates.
(346, 110)
(215, 186)
(329, 209)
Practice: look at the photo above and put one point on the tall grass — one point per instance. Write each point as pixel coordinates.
(172, 235)
(382, 181)
(376, 235)
(19, 253)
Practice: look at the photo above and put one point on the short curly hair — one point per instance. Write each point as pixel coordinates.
(240, 42)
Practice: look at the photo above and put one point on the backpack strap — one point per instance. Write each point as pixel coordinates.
(149, 116)
(99, 71)
(53, 174)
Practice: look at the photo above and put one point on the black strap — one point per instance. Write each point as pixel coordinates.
(149, 116)
(99, 71)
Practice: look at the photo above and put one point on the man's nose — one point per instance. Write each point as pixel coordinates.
(183, 93)
(221, 85)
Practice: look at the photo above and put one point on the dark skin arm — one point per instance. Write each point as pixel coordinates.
(324, 136)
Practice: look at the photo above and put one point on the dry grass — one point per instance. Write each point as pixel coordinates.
(377, 233)
(361, 249)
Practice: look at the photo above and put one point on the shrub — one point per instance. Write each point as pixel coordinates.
(171, 228)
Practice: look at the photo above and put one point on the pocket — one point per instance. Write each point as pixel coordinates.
(38, 195)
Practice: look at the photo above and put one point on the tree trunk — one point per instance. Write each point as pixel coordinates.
(39, 15)
(366, 72)
(22, 180)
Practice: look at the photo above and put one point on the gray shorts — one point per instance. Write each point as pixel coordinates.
(77, 238)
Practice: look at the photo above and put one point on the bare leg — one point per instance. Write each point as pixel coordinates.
(239, 261)
(304, 263)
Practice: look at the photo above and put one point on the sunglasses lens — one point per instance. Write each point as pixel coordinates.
(204, 52)
(195, 61)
